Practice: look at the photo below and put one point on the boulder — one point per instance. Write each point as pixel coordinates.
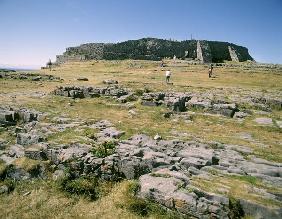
(28, 139)
(73, 152)
(110, 132)
(16, 151)
(36, 152)
(36, 78)
(7, 117)
(240, 115)
(225, 109)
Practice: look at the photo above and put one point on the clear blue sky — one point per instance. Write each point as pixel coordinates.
(32, 31)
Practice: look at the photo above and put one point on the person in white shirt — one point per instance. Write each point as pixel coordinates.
(167, 76)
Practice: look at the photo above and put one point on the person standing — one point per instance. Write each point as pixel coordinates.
(167, 76)
(210, 71)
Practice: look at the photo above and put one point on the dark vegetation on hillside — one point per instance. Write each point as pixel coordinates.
(155, 49)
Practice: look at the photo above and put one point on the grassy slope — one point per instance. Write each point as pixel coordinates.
(149, 120)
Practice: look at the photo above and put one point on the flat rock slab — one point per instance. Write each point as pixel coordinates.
(264, 121)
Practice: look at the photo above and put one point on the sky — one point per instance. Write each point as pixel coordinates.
(32, 31)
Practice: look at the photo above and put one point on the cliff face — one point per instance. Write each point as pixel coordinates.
(156, 49)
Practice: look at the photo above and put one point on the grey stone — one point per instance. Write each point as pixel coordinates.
(264, 121)
(16, 151)
(225, 109)
(110, 81)
(260, 212)
(157, 137)
(240, 115)
(111, 132)
(132, 167)
(58, 175)
(36, 78)
(4, 189)
(28, 139)
(194, 162)
(7, 117)
(36, 152)
(185, 203)
(158, 188)
(7, 159)
(73, 152)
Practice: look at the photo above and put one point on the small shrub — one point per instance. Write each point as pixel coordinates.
(138, 206)
(85, 186)
(133, 188)
(105, 149)
(90, 133)
(139, 92)
(236, 210)
(9, 183)
(3, 169)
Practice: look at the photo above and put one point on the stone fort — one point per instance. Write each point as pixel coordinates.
(202, 51)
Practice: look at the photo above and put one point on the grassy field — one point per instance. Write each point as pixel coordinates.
(46, 202)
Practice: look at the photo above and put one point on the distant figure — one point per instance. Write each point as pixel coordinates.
(162, 64)
(174, 58)
(49, 64)
(167, 76)
(210, 71)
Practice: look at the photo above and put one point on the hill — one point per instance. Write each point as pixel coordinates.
(157, 49)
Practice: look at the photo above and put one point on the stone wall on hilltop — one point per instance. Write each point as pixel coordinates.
(157, 49)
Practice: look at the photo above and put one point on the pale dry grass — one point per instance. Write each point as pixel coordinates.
(139, 73)
(45, 201)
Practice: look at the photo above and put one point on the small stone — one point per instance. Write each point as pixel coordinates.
(157, 137)
(82, 79)
(58, 174)
(26, 194)
(4, 189)
(110, 81)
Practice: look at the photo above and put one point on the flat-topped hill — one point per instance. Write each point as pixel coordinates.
(157, 49)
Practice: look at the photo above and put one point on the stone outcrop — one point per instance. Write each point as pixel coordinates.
(165, 169)
(28, 76)
(233, 54)
(204, 52)
(121, 94)
(10, 116)
(156, 49)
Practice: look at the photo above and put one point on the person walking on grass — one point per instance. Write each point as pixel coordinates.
(167, 76)
(210, 71)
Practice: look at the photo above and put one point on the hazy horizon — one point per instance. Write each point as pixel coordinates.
(38, 30)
